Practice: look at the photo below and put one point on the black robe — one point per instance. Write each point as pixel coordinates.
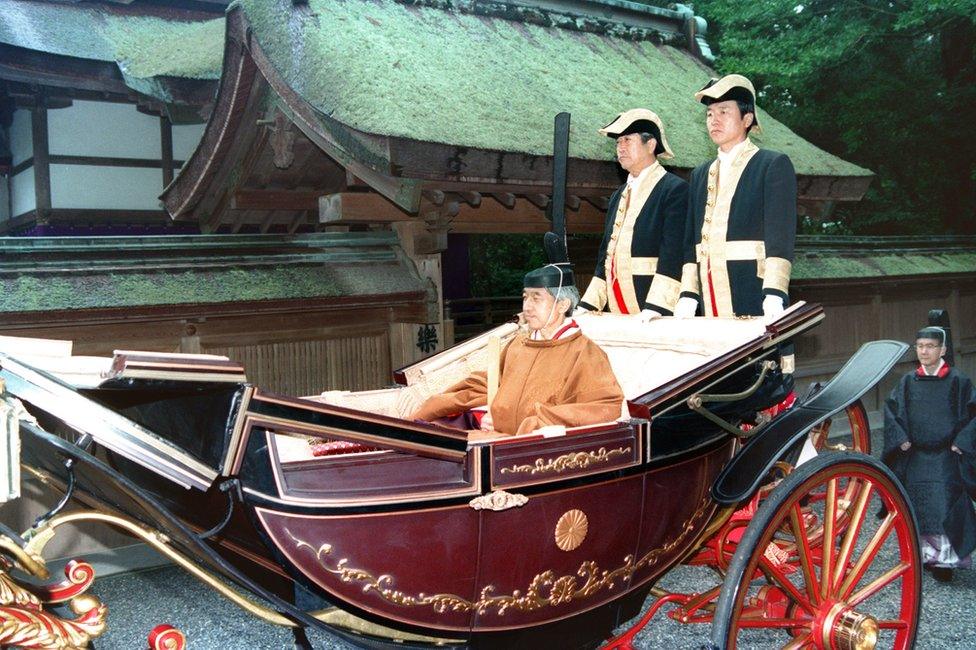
(658, 234)
(759, 236)
(934, 413)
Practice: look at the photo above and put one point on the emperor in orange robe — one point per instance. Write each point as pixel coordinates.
(555, 375)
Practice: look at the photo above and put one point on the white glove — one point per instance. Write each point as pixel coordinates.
(772, 306)
(580, 310)
(686, 307)
(647, 315)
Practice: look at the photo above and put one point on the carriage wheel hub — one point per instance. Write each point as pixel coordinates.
(847, 629)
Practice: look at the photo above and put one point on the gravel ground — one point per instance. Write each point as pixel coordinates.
(139, 601)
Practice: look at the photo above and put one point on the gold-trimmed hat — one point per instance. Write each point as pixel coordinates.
(730, 87)
(640, 120)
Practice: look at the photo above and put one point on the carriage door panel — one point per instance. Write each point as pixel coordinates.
(560, 553)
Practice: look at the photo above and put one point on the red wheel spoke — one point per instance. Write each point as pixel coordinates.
(867, 556)
(830, 513)
(798, 643)
(702, 600)
(803, 550)
(879, 583)
(787, 586)
(853, 530)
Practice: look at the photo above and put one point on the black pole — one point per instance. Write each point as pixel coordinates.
(555, 240)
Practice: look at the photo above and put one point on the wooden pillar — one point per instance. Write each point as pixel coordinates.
(42, 160)
(422, 242)
(166, 148)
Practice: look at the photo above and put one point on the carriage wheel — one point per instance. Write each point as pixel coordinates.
(858, 431)
(787, 588)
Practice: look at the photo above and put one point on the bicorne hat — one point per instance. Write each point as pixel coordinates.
(640, 120)
(730, 87)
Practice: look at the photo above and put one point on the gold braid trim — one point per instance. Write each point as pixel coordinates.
(664, 292)
(777, 274)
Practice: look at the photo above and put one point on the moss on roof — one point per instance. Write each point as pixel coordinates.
(204, 286)
(462, 79)
(46, 274)
(827, 265)
(143, 46)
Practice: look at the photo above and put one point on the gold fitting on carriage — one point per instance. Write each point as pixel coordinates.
(847, 629)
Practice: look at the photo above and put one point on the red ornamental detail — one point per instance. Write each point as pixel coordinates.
(25, 627)
(80, 575)
(166, 637)
(25, 624)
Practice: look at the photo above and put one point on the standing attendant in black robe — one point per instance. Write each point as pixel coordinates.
(638, 268)
(741, 222)
(930, 444)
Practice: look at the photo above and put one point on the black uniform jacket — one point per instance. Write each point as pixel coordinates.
(934, 413)
(650, 272)
(740, 233)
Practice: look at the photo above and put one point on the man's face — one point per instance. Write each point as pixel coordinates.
(538, 308)
(634, 155)
(929, 351)
(726, 125)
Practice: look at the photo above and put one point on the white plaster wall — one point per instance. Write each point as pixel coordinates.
(22, 192)
(185, 139)
(103, 129)
(105, 188)
(21, 143)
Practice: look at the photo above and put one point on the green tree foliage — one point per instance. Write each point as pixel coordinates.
(889, 85)
(499, 262)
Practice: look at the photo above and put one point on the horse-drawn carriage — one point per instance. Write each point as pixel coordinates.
(336, 511)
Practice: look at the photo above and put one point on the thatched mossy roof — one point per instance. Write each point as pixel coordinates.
(82, 273)
(841, 258)
(143, 46)
(455, 77)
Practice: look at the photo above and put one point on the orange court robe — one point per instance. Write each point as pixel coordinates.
(566, 381)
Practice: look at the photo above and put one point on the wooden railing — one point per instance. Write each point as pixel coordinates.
(473, 316)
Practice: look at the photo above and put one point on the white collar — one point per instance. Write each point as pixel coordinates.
(634, 180)
(567, 327)
(729, 156)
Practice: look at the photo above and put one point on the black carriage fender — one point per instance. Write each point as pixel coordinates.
(743, 474)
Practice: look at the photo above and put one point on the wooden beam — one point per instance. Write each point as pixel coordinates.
(300, 218)
(42, 163)
(360, 207)
(538, 200)
(166, 149)
(434, 196)
(275, 200)
(505, 198)
(523, 217)
(599, 202)
(471, 198)
(267, 221)
(573, 202)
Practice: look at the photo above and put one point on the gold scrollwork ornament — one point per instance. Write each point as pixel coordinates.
(575, 460)
(498, 500)
(546, 589)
